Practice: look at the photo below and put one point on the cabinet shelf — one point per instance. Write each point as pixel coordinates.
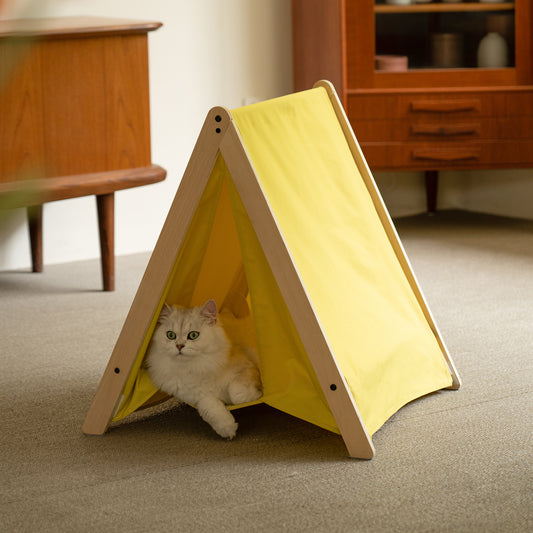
(444, 8)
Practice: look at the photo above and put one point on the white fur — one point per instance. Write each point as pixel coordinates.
(208, 372)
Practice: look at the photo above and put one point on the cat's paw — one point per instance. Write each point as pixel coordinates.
(228, 430)
(255, 394)
(244, 393)
(215, 413)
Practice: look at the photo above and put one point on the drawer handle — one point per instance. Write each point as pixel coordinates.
(444, 106)
(445, 131)
(445, 154)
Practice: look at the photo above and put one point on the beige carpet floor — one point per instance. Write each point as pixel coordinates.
(457, 461)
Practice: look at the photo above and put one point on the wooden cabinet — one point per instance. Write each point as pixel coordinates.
(444, 111)
(75, 117)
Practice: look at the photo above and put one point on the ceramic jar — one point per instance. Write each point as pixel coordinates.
(492, 51)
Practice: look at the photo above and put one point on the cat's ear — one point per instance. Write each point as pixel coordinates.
(165, 311)
(209, 311)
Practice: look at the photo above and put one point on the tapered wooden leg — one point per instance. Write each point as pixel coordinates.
(432, 184)
(106, 225)
(35, 224)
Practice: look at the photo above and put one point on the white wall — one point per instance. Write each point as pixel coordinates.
(213, 52)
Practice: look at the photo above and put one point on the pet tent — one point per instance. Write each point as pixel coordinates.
(278, 215)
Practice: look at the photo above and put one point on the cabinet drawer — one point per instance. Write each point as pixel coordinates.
(438, 105)
(438, 130)
(447, 129)
(472, 154)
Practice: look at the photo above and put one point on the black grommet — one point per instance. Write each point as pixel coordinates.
(333, 386)
(117, 370)
(218, 130)
(218, 118)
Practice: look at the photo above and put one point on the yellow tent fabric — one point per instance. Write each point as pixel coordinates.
(366, 307)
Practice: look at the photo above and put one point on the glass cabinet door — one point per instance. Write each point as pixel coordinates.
(417, 35)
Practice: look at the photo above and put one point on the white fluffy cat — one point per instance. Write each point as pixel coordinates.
(192, 357)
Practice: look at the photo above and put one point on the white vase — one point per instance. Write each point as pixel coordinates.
(492, 51)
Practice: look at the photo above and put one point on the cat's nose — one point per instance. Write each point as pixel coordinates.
(180, 346)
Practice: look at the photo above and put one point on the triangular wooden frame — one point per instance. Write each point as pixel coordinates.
(219, 134)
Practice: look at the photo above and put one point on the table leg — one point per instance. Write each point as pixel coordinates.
(35, 224)
(106, 225)
(432, 185)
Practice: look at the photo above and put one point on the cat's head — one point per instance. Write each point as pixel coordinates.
(189, 332)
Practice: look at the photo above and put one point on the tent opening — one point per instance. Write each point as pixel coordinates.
(211, 265)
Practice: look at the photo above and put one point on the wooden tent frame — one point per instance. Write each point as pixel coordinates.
(220, 134)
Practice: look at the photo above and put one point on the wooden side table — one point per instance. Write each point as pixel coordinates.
(75, 118)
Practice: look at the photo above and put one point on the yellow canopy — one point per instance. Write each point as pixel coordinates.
(373, 322)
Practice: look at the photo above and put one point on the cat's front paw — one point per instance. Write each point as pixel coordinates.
(227, 431)
(215, 413)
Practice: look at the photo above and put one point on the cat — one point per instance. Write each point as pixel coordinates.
(191, 357)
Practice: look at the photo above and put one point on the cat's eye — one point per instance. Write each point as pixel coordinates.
(171, 335)
(193, 335)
